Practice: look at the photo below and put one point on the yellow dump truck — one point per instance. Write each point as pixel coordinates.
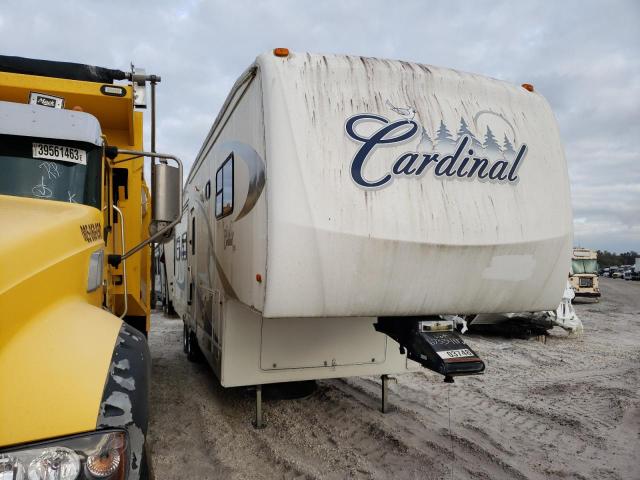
(77, 218)
(584, 273)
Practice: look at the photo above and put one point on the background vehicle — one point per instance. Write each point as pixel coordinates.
(628, 272)
(74, 262)
(584, 273)
(325, 221)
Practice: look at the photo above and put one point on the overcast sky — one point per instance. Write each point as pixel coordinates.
(583, 56)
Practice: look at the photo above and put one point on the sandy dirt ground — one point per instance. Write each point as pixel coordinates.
(567, 409)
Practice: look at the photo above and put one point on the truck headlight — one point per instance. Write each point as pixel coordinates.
(98, 455)
(96, 263)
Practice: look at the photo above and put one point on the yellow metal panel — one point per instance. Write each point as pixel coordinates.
(136, 222)
(112, 112)
(53, 370)
(56, 342)
(39, 233)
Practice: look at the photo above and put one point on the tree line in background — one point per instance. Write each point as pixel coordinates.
(610, 259)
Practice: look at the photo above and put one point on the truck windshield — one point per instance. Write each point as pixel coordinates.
(61, 170)
(584, 266)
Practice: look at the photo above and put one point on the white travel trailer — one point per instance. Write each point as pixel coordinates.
(339, 205)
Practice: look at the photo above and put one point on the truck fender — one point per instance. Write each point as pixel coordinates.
(125, 400)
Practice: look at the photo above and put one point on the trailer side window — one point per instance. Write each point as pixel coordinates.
(224, 188)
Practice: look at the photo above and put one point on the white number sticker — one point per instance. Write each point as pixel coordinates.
(462, 353)
(59, 152)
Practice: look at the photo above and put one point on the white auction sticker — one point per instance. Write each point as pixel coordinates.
(461, 353)
(59, 152)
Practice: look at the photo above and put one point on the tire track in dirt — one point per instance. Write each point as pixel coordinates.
(507, 441)
(358, 446)
(430, 432)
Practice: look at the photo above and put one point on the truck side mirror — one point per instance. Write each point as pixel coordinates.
(166, 184)
(166, 197)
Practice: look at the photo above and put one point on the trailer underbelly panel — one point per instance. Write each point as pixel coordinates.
(350, 342)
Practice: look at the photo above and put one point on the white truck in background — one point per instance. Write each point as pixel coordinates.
(340, 206)
(584, 273)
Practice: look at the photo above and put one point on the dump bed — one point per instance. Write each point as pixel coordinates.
(402, 189)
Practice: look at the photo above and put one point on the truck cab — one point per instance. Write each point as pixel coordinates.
(584, 273)
(74, 299)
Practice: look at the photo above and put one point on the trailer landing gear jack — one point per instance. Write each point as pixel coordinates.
(258, 422)
(432, 342)
(385, 392)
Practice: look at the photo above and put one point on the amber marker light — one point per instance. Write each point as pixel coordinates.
(103, 464)
(528, 87)
(281, 52)
(77, 108)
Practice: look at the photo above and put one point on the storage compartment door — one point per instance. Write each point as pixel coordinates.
(320, 342)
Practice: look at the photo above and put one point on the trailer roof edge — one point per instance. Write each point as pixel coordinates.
(247, 75)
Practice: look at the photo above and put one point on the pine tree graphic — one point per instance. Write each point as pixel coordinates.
(509, 151)
(490, 143)
(444, 140)
(463, 129)
(425, 144)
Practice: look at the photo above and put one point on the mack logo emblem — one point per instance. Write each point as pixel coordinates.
(464, 157)
(91, 232)
(45, 100)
